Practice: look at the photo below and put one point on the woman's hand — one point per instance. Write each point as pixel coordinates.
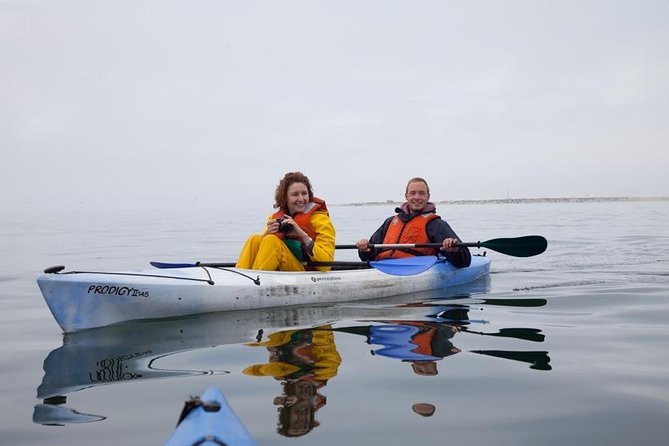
(296, 233)
(272, 227)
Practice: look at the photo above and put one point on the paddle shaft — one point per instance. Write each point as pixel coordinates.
(232, 264)
(408, 245)
(526, 246)
(396, 267)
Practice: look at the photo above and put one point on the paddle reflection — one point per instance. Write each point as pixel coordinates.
(304, 361)
(424, 342)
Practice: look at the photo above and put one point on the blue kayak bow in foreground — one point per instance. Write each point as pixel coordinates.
(209, 420)
(406, 266)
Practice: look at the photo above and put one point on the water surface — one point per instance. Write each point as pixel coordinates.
(568, 347)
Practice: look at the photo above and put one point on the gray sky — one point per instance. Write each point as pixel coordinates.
(209, 102)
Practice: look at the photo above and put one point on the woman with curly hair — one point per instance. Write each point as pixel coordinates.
(300, 231)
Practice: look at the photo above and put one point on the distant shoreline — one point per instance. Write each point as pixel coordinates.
(518, 201)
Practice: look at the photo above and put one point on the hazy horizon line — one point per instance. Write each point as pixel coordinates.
(518, 200)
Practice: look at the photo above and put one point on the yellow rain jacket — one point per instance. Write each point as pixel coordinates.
(270, 252)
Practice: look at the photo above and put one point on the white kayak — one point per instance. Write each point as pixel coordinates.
(81, 300)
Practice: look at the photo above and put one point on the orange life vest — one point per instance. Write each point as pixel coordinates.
(413, 231)
(303, 220)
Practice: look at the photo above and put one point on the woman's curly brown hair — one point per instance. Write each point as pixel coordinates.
(281, 194)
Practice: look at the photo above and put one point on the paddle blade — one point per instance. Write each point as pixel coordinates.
(527, 246)
(406, 266)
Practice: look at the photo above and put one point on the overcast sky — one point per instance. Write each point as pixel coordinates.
(209, 102)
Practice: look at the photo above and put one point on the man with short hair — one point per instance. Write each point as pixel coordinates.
(415, 221)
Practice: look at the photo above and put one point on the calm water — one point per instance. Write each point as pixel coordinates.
(569, 347)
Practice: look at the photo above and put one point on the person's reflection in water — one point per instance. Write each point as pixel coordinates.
(304, 360)
(421, 343)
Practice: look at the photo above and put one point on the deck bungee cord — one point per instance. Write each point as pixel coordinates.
(221, 268)
(210, 281)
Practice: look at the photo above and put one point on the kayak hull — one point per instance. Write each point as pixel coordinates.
(216, 425)
(83, 300)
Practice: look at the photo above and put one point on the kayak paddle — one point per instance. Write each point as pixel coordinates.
(165, 265)
(526, 246)
(406, 266)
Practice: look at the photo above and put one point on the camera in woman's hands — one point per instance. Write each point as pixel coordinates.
(284, 227)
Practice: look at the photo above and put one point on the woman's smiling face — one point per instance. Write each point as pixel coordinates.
(297, 197)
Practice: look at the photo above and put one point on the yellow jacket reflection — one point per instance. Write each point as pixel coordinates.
(304, 360)
(296, 353)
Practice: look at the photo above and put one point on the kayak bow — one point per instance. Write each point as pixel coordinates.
(209, 420)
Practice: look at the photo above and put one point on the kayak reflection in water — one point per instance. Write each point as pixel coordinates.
(304, 360)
